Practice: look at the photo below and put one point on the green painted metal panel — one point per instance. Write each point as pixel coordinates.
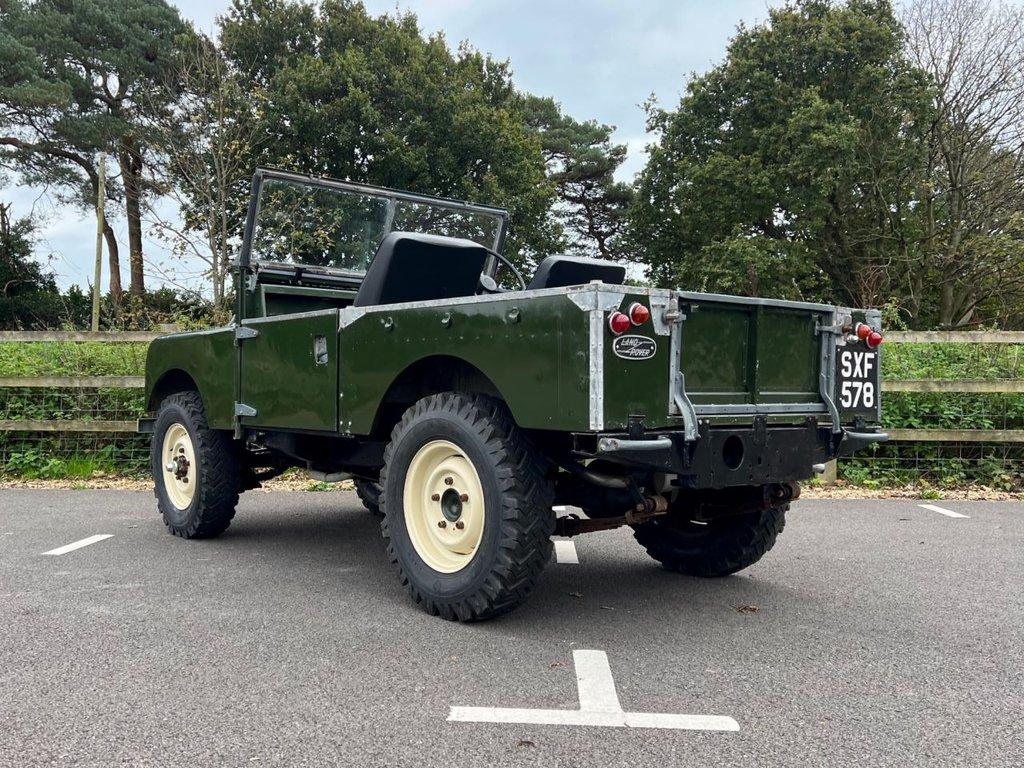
(209, 358)
(539, 363)
(632, 386)
(716, 352)
(281, 377)
(742, 353)
(788, 353)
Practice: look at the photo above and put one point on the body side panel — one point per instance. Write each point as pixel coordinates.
(208, 357)
(290, 371)
(535, 350)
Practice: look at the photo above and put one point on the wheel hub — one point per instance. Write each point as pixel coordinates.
(451, 505)
(444, 509)
(179, 463)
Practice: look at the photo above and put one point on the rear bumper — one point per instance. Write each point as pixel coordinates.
(729, 456)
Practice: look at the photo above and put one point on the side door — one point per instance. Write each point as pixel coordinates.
(289, 371)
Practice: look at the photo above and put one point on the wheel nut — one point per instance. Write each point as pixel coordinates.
(436, 497)
(442, 524)
(448, 481)
(460, 525)
(464, 497)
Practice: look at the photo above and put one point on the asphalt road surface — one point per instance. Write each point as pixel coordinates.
(875, 633)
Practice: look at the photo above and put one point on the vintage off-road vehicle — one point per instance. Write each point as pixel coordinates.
(372, 340)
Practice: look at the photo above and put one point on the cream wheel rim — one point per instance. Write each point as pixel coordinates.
(179, 464)
(444, 506)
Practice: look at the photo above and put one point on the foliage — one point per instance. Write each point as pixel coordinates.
(340, 93)
(791, 168)
(970, 262)
(208, 140)
(72, 310)
(581, 162)
(91, 358)
(86, 76)
(24, 286)
(839, 155)
(52, 458)
(893, 464)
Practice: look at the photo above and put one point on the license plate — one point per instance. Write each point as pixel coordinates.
(857, 378)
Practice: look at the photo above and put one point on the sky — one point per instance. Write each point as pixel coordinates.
(600, 59)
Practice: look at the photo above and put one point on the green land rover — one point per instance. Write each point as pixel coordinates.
(382, 337)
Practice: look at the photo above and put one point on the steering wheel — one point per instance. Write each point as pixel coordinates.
(487, 281)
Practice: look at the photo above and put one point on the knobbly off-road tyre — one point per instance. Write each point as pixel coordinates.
(449, 571)
(720, 548)
(201, 507)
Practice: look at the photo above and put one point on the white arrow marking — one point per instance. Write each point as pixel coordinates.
(599, 706)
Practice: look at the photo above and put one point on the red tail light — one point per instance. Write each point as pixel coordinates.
(638, 313)
(618, 323)
(868, 335)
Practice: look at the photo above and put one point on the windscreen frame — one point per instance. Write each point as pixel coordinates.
(392, 196)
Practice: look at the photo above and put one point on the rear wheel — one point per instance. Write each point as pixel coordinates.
(719, 547)
(196, 469)
(467, 508)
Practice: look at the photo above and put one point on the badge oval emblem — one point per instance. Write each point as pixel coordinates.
(634, 347)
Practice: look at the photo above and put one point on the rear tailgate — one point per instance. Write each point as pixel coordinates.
(743, 357)
(735, 353)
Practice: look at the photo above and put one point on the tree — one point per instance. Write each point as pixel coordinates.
(795, 167)
(973, 52)
(340, 93)
(208, 141)
(78, 77)
(581, 162)
(26, 291)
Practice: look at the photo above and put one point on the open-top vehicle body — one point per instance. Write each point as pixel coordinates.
(372, 341)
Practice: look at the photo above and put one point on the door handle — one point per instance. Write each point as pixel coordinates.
(320, 350)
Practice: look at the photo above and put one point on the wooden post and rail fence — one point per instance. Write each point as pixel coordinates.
(888, 385)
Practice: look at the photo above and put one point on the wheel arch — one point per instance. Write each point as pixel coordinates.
(428, 376)
(171, 381)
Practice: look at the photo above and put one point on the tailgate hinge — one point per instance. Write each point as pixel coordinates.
(241, 409)
(243, 332)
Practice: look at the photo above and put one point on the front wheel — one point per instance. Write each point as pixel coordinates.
(467, 508)
(717, 547)
(196, 469)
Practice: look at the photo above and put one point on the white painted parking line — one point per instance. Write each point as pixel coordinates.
(599, 706)
(559, 509)
(565, 552)
(78, 544)
(941, 511)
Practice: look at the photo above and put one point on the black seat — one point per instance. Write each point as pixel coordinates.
(409, 266)
(560, 271)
